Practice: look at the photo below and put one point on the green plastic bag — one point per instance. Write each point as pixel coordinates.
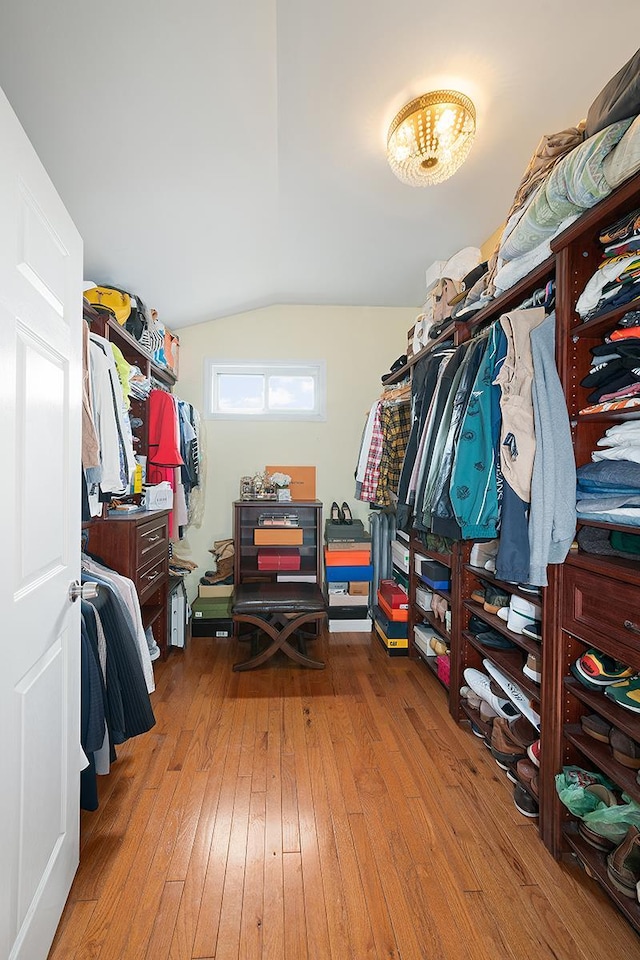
(610, 822)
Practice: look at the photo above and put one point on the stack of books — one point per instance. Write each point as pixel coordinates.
(348, 574)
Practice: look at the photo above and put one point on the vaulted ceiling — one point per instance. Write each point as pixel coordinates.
(222, 156)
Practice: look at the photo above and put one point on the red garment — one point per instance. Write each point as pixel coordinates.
(164, 449)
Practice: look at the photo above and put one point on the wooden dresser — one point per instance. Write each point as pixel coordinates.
(137, 546)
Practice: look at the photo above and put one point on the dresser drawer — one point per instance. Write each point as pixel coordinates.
(152, 540)
(152, 576)
(603, 612)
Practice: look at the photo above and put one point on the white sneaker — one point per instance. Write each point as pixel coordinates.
(522, 613)
(517, 696)
(481, 686)
(483, 555)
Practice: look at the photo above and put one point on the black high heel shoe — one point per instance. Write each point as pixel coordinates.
(346, 513)
(336, 513)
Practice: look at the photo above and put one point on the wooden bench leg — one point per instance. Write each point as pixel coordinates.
(279, 630)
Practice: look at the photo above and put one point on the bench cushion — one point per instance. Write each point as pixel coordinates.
(289, 597)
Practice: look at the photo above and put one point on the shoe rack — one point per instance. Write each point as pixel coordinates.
(590, 600)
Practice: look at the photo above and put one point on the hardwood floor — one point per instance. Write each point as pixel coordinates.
(293, 814)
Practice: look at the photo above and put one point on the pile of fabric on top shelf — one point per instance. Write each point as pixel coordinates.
(617, 279)
(609, 488)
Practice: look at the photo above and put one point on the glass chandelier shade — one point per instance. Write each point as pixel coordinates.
(431, 137)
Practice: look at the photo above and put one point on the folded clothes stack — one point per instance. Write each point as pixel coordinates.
(617, 279)
(609, 491)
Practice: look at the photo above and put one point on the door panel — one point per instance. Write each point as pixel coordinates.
(40, 405)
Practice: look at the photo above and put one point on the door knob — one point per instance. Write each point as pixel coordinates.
(83, 591)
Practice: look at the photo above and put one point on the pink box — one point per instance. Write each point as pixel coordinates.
(444, 668)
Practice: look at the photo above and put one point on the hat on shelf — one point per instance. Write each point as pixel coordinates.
(468, 281)
(395, 366)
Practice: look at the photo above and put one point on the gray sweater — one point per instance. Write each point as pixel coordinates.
(552, 516)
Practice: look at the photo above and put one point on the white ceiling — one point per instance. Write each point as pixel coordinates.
(222, 156)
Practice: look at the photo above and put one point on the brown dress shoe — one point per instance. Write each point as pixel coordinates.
(503, 749)
(623, 864)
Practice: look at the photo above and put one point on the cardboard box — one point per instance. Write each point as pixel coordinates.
(303, 481)
(275, 536)
(350, 626)
(209, 590)
(358, 588)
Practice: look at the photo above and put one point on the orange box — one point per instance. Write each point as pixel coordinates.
(275, 536)
(303, 481)
(347, 558)
(397, 615)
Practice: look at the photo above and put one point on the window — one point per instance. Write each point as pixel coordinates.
(273, 390)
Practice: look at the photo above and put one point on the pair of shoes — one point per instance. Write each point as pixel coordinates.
(341, 514)
(483, 555)
(533, 630)
(597, 670)
(517, 696)
(623, 864)
(624, 749)
(528, 776)
(533, 667)
(481, 685)
(438, 646)
(524, 802)
(533, 752)
(504, 750)
(591, 831)
(495, 599)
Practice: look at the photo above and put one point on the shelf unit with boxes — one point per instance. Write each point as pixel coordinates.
(593, 601)
(277, 540)
(348, 576)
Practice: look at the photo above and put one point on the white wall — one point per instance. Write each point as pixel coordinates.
(358, 344)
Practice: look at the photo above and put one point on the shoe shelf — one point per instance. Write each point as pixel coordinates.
(624, 720)
(594, 863)
(491, 578)
(438, 625)
(417, 546)
(509, 662)
(496, 623)
(473, 716)
(600, 755)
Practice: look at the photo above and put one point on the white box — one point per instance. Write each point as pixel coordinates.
(350, 626)
(159, 497)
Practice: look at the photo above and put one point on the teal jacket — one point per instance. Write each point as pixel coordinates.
(473, 487)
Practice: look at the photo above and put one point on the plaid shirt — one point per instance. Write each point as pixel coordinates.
(395, 421)
(372, 470)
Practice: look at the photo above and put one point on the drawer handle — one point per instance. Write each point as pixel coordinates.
(152, 576)
(630, 625)
(153, 539)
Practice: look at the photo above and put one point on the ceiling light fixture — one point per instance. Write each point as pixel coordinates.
(431, 137)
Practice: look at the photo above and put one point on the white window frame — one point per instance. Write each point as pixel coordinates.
(266, 368)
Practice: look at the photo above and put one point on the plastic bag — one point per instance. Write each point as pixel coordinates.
(610, 822)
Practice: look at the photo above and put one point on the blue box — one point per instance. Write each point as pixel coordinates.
(362, 574)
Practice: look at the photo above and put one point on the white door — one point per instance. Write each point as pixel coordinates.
(40, 403)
